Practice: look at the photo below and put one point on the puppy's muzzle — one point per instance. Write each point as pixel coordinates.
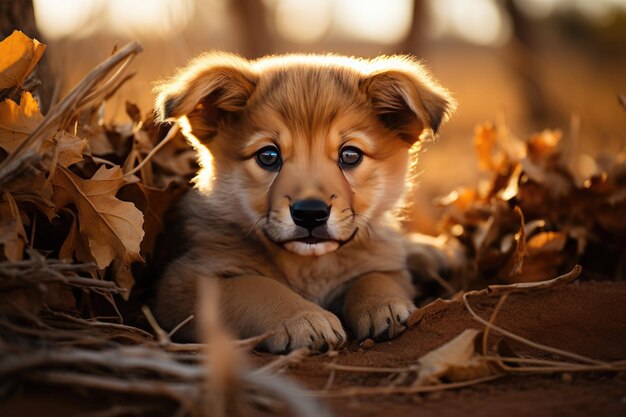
(310, 213)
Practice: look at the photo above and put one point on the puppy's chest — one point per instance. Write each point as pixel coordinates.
(323, 279)
(318, 279)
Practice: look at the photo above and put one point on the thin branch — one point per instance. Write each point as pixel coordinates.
(515, 288)
(492, 320)
(180, 392)
(549, 366)
(388, 390)
(170, 135)
(120, 360)
(372, 369)
(162, 335)
(295, 356)
(179, 326)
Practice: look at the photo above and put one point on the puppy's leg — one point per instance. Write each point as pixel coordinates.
(378, 304)
(434, 258)
(253, 305)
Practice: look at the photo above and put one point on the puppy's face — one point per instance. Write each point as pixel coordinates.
(309, 151)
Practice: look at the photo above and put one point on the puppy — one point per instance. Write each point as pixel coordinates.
(292, 213)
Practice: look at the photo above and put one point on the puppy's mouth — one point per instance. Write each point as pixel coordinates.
(311, 245)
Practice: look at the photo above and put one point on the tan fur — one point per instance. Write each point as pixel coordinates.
(309, 106)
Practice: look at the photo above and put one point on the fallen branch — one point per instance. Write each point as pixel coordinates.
(419, 389)
(506, 289)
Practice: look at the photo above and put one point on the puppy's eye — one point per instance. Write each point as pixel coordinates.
(349, 157)
(269, 158)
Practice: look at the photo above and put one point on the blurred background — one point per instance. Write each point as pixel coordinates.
(532, 64)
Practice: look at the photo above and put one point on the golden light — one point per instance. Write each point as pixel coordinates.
(303, 21)
(205, 177)
(377, 21)
(80, 18)
(153, 17)
(61, 18)
(478, 21)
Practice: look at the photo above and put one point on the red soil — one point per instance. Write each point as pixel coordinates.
(585, 318)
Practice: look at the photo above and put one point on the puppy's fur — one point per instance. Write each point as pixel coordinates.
(238, 221)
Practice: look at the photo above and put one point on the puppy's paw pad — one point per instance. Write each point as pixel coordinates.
(316, 330)
(384, 321)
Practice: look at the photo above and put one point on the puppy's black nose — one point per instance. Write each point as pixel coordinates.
(310, 213)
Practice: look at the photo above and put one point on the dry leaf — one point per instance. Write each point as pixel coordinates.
(455, 361)
(97, 139)
(518, 252)
(59, 297)
(67, 248)
(133, 112)
(18, 56)
(70, 148)
(489, 157)
(12, 234)
(142, 145)
(547, 241)
(113, 228)
(36, 190)
(153, 203)
(18, 121)
(123, 276)
(543, 147)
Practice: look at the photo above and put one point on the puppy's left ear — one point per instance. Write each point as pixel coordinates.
(406, 99)
(211, 91)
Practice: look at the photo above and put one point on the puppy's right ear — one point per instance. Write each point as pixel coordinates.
(210, 91)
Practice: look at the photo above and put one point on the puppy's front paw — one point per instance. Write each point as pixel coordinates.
(382, 321)
(318, 330)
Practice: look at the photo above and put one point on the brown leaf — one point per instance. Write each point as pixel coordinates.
(518, 252)
(18, 121)
(496, 147)
(70, 148)
(142, 145)
(12, 234)
(543, 147)
(547, 241)
(153, 203)
(18, 56)
(97, 139)
(123, 276)
(67, 248)
(489, 157)
(113, 228)
(132, 110)
(455, 361)
(36, 190)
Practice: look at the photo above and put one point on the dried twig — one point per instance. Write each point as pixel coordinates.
(279, 363)
(170, 135)
(372, 369)
(40, 270)
(492, 320)
(500, 289)
(163, 337)
(548, 366)
(390, 390)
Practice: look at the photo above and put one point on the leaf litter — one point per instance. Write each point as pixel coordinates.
(83, 202)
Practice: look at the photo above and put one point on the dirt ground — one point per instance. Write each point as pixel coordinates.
(587, 318)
